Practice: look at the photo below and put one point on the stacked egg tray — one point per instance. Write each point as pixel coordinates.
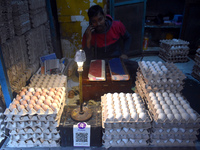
(154, 76)
(175, 50)
(196, 68)
(45, 81)
(2, 125)
(175, 123)
(125, 120)
(33, 117)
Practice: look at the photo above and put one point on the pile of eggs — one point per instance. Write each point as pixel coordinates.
(155, 68)
(48, 81)
(37, 99)
(170, 106)
(123, 107)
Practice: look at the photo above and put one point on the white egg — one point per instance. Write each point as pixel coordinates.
(185, 116)
(159, 111)
(179, 107)
(180, 98)
(122, 99)
(178, 95)
(193, 116)
(182, 111)
(116, 107)
(111, 117)
(190, 110)
(165, 106)
(158, 94)
(134, 95)
(171, 94)
(130, 103)
(175, 111)
(170, 117)
(162, 116)
(151, 94)
(157, 106)
(166, 98)
(155, 102)
(172, 107)
(167, 111)
(169, 102)
(129, 98)
(165, 94)
(177, 116)
(153, 98)
(139, 110)
(174, 98)
(160, 63)
(134, 116)
(162, 102)
(176, 102)
(138, 106)
(160, 98)
(126, 116)
(186, 106)
(142, 116)
(183, 102)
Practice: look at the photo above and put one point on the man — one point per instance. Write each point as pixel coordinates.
(102, 38)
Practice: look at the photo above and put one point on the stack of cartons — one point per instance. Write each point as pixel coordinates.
(33, 117)
(158, 76)
(38, 12)
(6, 21)
(175, 50)
(125, 120)
(21, 16)
(196, 68)
(175, 123)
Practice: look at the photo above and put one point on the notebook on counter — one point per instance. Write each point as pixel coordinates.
(97, 70)
(118, 70)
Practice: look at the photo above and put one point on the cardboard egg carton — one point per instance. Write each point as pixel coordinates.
(125, 143)
(172, 142)
(139, 118)
(32, 130)
(21, 125)
(125, 136)
(48, 81)
(173, 136)
(169, 71)
(120, 131)
(31, 118)
(174, 131)
(33, 143)
(173, 59)
(41, 136)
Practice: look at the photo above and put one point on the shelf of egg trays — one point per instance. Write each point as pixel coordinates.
(2, 125)
(125, 120)
(175, 50)
(46, 81)
(175, 123)
(196, 67)
(33, 117)
(154, 76)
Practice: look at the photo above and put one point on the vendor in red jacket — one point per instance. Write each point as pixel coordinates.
(102, 38)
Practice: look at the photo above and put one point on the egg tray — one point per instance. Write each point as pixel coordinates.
(121, 131)
(32, 118)
(174, 131)
(32, 130)
(196, 76)
(172, 143)
(48, 78)
(19, 7)
(136, 125)
(172, 72)
(31, 143)
(32, 111)
(41, 136)
(21, 125)
(174, 42)
(125, 136)
(125, 143)
(174, 52)
(161, 83)
(178, 59)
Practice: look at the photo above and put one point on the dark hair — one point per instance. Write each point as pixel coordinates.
(94, 10)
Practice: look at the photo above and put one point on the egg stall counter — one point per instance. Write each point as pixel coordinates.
(34, 114)
(174, 123)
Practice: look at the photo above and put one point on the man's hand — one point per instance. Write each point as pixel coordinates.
(123, 56)
(88, 34)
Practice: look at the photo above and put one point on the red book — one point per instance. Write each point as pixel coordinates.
(97, 70)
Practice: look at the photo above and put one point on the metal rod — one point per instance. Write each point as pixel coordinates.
(80, 92)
